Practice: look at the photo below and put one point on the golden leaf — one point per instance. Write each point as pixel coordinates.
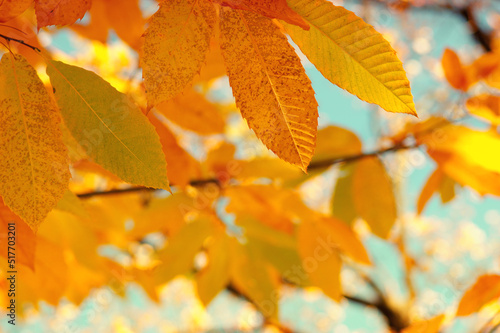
(485, 106)
(352, 54)
(373, 195)
(176, 46)
(214, 277)
(194, 112)
(270, 85)
(33, 160)
(321, 262)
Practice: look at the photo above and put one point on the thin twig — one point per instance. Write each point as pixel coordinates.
(10, 39)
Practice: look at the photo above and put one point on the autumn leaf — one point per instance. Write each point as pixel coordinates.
(111, 129)
(343, 197)
(255, 278)
(176, 46)
(12, 8)
(454, 71)
(351, 54)
(34, 171)
(181, 167)
(194, 112)
(215, 276)
(373, 196)
(430, 187)
(178, 256)
(321, 262)
(270, 86)
(432, 325)
(25, 250)
(346, 143)
(485, 289)
(486, 107)
(277, 9)
(60, 12)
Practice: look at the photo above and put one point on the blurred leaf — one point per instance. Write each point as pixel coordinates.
(321, 262)
(373, 195)
(485, 290)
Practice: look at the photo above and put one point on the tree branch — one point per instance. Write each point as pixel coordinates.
(202, 182)
(10, 39)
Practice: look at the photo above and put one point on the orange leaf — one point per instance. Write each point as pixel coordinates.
(485, 290)
(373, 196)
(426, 326)
(60, 12)
(194, 112)
(454, 71)
(12, 8)
(430, 187)
(485, 106)
(25, 238)
(277, 9)
(181, 167)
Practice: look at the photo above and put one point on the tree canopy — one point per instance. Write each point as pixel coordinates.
(149, 142)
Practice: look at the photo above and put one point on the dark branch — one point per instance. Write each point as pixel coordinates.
(202, 182)
(10, 39)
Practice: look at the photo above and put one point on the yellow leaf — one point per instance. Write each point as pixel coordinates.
(33, 160)
(335, 142)
(472, 145)
(270, 85)
(181, 167)
(167, 215)
(426, 326)
(467, 172)
(272, 168)
(256, 279)
(485, 106)
(215, 276)
(373, 196)
(321, 262)
(71, 203)
(265, 204)
(352, 55)
(176, 46)
(344, 238)
(111, 129)
(178, 256)
(485, 290)
(193, 112)
(342, 200)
